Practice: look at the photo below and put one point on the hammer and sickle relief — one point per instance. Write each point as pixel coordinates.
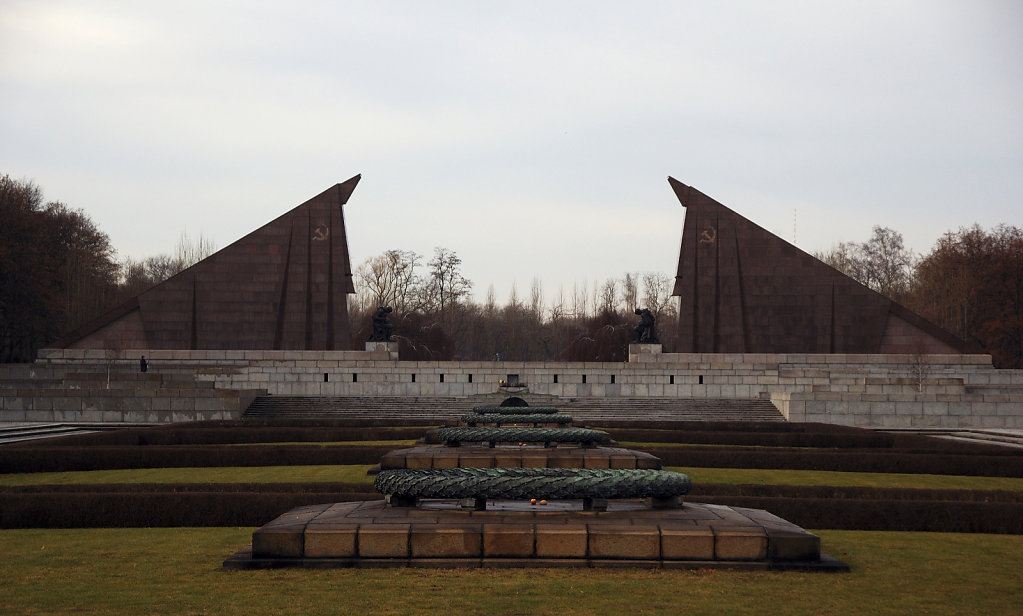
(320, 233)
(708, 235)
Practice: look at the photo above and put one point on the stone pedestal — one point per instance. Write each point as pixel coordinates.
(643, 352)
(627, 533)
(382, 348)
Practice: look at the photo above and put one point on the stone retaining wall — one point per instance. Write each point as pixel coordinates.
(945, 391)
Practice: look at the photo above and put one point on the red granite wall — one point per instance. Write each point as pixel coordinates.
(745, 290)
(283, 286)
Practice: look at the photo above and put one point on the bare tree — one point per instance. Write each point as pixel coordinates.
(513, 297)
(845, 257)
(656, 292)
(557, 311)
(887, 263)
(579, 300)
(390, 279)
(536, 302)
(446, 286)
(882, 263)
(189, 251)
(630, 291)
(609, 296)
(490, 308)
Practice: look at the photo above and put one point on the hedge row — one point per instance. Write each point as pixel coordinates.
(218, 435)
(765, 434)
(277, 488)
(909, 515)
(857, 493)
(142, 509)
(862, 461)
(147, 509)
(865, 439)
(50, 458)
(703, 489)
(728, 426)
(54, 459)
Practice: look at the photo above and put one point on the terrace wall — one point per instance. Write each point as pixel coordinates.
(939, 391)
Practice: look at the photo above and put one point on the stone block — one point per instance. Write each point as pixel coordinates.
(560, 541)
(281, 542)
(785, 544)
(533, 460)
(642, 543)
(596, 461)
(687, 543)
(507, 459)
(335, 540)
(508, 540)
(384, 541)
(418, 460)
(565, 461)
(445, 541)
(476, 460)
(445, 459)
(738, 543)
(648, 461)
(621, 461)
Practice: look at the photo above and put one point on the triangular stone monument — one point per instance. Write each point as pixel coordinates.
(745, 290)
(283, 286)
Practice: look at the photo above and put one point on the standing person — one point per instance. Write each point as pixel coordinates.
(143, 364)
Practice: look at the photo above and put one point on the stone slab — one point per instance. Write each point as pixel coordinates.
(527, 456)
(439, 533)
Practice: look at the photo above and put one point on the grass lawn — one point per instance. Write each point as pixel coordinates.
(644, 445)
(770, 476)
(177, 571)
(357, 474)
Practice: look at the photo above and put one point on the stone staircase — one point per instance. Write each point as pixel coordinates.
(449, 408)
(14, 433)
(43, 394)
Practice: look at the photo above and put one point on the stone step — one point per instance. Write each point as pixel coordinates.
(18, 433)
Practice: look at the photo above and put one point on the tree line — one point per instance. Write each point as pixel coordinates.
(970, 283)
(435, 316)
(58, 270)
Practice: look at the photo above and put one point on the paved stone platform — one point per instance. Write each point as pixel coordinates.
(516, 457)
(519, 534)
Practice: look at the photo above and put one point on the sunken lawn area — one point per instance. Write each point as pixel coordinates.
(140, 520)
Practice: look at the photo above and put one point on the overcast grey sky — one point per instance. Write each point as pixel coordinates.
(531, 138)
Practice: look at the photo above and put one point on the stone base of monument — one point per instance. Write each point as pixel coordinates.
(442, 533)
(640, 352)
(383, 350)
(518, 457)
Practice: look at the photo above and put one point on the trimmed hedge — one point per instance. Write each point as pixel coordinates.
(858, 492)
(184, 508)
(218, 435)
(908, 515)
(206, 444)
(56, 459)
(705, 489)
(904, 443)
(143, 509)
(727, 426)
(218, 488)
(862, 461)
